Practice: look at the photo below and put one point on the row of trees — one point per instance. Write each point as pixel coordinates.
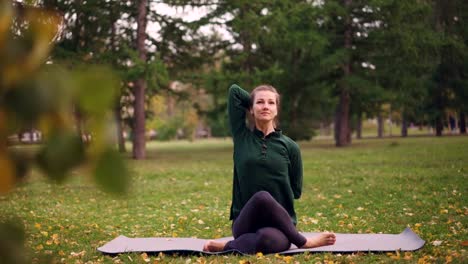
(337, 61)
(334, 61)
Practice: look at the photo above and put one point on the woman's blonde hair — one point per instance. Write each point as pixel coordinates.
(264, 87)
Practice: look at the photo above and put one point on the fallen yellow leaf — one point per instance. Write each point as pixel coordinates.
(145, 257)
(408, 256)
(395, 256)
(287, 259)
(78, 254)
(422, 260)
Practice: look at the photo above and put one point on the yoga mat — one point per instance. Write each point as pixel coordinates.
(345, 243)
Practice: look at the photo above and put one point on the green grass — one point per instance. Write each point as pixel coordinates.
(183, 189)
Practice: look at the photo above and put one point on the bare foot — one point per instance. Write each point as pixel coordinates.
(214, 246)
(323, 239)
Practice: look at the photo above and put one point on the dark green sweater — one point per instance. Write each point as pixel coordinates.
(272, 163)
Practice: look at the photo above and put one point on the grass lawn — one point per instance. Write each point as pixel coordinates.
(184, 189)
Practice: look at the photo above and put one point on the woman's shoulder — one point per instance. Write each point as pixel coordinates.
(290, 143)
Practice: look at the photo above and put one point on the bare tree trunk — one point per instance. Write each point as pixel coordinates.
(139, 151)
(342, 125)
(462, 125)
(117, 109)
(170, 106)
(77, 31)
(119, 128)
(404, 125)
(343, 130)
(439, 126)
(380, 124)
(359, 126)
(336, 128)
(246, 40)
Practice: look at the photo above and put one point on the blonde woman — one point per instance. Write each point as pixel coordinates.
(267, 178)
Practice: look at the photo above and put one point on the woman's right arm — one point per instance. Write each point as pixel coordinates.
(238, 103)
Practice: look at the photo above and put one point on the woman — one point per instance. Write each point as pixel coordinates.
(267, 179)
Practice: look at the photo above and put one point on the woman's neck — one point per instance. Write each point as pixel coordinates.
(266, 128)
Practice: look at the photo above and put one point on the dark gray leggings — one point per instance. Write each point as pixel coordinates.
(263, 225)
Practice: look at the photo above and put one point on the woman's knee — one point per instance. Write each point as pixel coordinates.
(271, 240)
(262, 197)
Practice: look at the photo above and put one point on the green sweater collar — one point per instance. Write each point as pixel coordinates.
(276, 133)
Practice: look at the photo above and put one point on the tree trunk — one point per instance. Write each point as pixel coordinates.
(359, 126)
(139, 151)
(439, 123)
(390, 121)
(170, 106)
(404, 126)
(462, 125)
(439, 126)
(119, 128)
(246, 41)
(117, 109)
(380, 124)
(77, 30)
(336, 126)
(343, 130)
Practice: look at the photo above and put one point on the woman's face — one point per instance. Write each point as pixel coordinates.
(264, 108)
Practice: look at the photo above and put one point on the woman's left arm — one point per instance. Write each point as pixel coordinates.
(295, 173)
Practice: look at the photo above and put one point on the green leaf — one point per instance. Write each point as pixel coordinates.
(61, 153)
(111, 172)
(97, 88)
(12, 242)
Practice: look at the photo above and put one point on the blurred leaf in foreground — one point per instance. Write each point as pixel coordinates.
(12, 243)
(97, 89)
(63, 103)
(6, 15)
(38, 93)
(111, 173)
(7, 180)
(27, 45)
(62, 152)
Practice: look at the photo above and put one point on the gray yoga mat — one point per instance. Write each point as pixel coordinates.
(345, 243)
